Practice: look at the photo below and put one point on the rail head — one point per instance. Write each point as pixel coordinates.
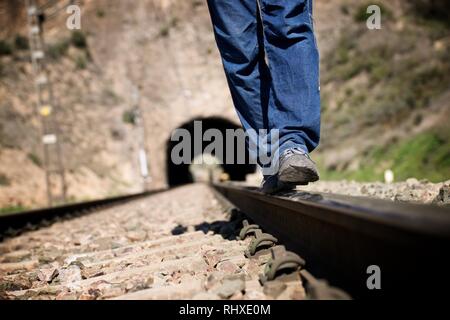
(351, 211)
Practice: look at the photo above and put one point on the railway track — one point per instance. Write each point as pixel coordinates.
(13, 224)
(178, 244)
(343, 238)
(221, 242)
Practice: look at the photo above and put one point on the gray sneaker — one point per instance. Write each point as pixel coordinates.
(296, 167)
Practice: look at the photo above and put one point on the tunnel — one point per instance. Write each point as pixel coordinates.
(180, 174)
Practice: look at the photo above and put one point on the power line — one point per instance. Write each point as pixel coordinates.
(47, 5)
(53, 11)
(52, 8)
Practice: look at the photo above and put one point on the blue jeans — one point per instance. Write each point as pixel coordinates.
(271, 62)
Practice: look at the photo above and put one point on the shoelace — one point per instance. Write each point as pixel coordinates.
(295, 151)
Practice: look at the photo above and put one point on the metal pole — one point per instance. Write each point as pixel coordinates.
(140, 122)
(53, 160)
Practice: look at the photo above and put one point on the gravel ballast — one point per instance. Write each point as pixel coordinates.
(412, 190)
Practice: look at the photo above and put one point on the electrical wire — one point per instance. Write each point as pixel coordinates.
(51, 9)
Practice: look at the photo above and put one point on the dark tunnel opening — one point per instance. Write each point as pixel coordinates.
(179, 174)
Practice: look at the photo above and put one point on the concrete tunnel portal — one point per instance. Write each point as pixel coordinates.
(180, 174)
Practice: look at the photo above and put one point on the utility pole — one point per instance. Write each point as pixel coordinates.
(140, 123)
(53, 163)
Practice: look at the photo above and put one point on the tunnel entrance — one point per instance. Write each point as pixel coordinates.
(179, 174)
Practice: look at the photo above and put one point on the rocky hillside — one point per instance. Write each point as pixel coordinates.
(385, 92)
(155, 45)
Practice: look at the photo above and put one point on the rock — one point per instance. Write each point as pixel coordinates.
(47, 275)
(70, 259)
(252, 267)
(237, 296)
(112, 292)
(16, 285)
(212, 258)
(88, 273)
(77, 263)
(199, 266)
(116, 245)
(16, 256)
(227, 267)
(254, 295)
(50, 291)
(83, 240)
(92, 294)
(263, 259)
(412, 182)
(213, 280)
(4, 248)
(206, 296)
(185, 278)
(131, 226)
(443, 197)
(148, 282)
(274, 288)
(138, 285)
(169, 257)
(102, 244)
(66, 296)
(19, 266)
(137, 235)
(297, 293)
(49, 256)
(70, 274)
(230, 286)
(88, 296)
(364, 190)
(100, 285)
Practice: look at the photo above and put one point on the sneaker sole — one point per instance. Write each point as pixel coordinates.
(284, 188)
(298, 175)
(281, 187)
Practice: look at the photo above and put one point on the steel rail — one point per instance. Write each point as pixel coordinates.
(341, 236)
(20, 220)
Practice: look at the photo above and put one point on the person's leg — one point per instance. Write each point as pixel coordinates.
(238, 33)
(293, 58)
(261, 103)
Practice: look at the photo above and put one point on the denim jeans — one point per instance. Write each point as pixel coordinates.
(271, 61)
